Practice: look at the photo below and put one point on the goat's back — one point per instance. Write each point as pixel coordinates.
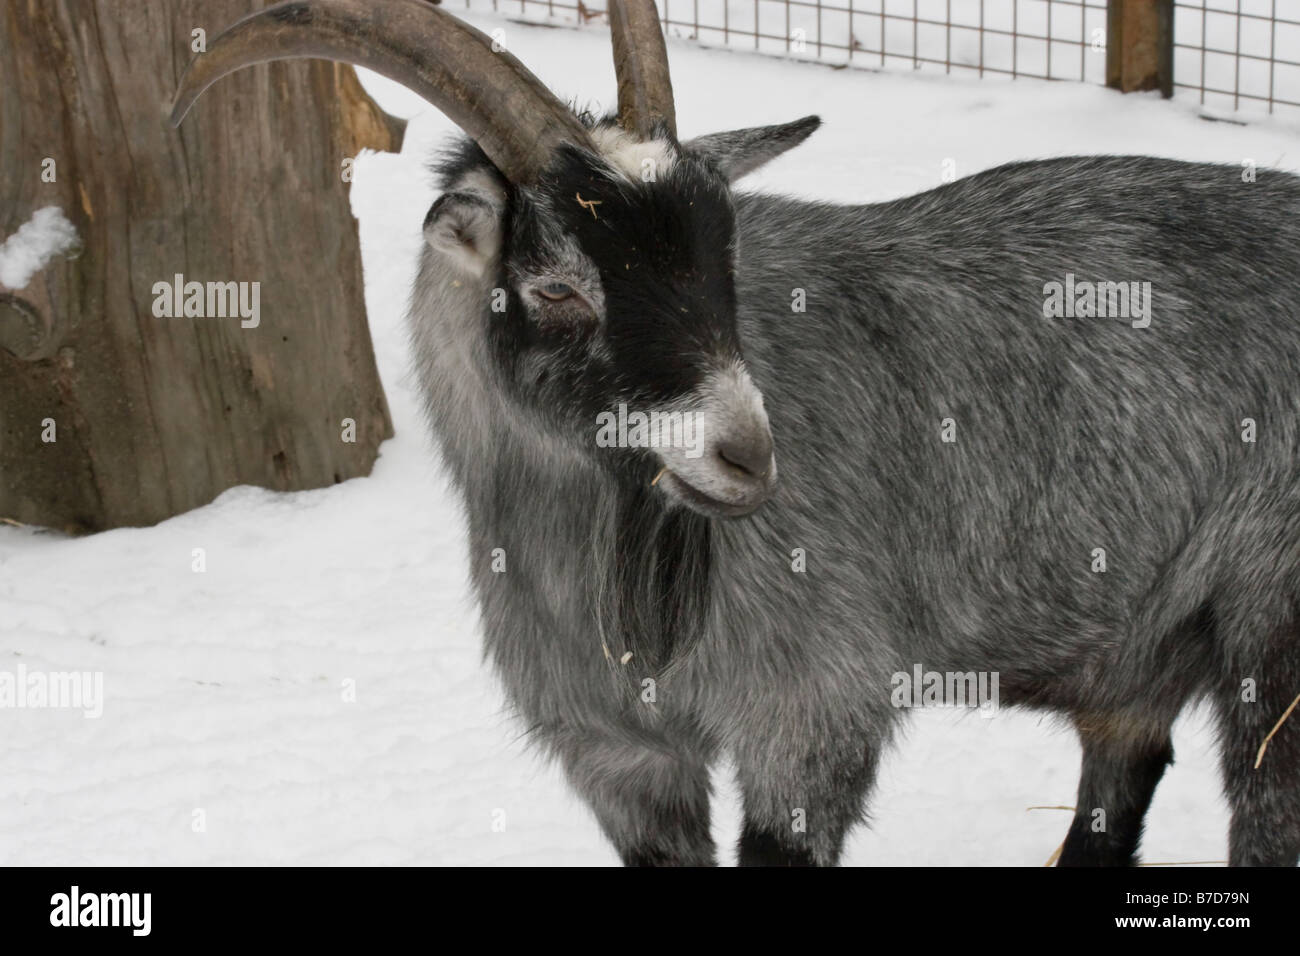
(1071, 434)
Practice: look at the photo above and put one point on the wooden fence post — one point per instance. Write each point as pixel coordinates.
(1140, 46)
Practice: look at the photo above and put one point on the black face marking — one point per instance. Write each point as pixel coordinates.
(663, 314)
(663, 251)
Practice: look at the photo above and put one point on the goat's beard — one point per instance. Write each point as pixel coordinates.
(655, 567)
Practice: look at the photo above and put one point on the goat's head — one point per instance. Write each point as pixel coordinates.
(603, 249)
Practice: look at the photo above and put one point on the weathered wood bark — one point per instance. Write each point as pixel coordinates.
(154, 415)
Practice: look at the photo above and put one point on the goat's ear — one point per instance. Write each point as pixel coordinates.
(466, 228)
(739, 152)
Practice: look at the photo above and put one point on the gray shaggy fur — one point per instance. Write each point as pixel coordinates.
(973, 555)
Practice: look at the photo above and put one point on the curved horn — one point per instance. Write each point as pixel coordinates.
(645, 91)
(493, 97)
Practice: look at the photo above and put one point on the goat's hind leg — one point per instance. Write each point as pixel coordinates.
(1123, 762)
(1265, 801)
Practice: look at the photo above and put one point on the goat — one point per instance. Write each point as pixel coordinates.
(960, 453)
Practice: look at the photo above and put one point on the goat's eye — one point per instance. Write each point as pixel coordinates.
(556, 291)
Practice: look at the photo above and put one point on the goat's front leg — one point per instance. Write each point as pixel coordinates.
(802, 800)
(649, 791)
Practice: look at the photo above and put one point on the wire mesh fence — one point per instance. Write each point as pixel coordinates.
(1239, 54)
(1231, 54)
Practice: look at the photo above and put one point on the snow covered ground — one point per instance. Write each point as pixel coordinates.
(316, 694)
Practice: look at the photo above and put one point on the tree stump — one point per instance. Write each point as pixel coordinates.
(111, 413)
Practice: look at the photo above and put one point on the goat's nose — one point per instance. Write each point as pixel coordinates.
(749, 453)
